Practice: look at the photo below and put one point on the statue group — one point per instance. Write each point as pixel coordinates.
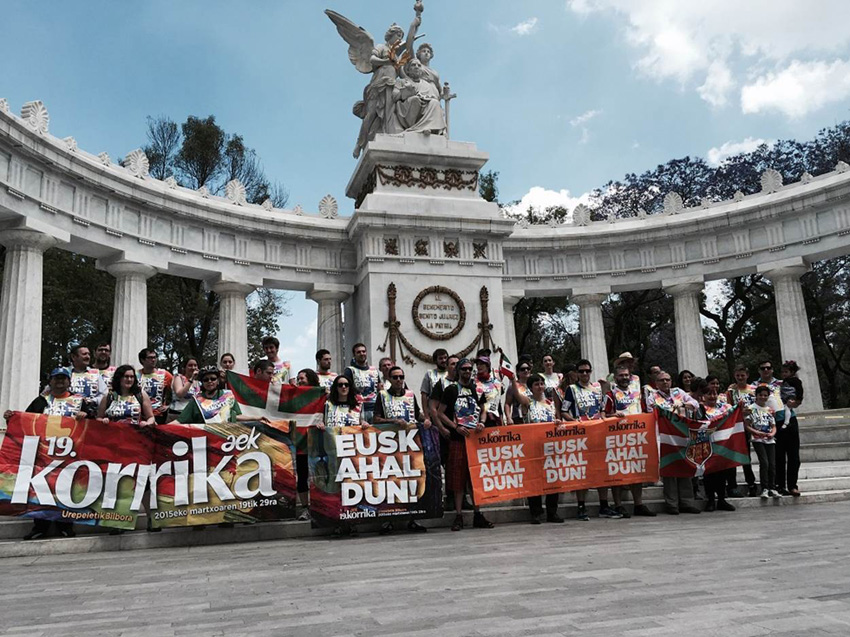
(404, 94)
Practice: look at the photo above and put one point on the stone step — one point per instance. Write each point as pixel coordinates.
(824, 451)
(825, 433)
(284, 530)
(828, 417)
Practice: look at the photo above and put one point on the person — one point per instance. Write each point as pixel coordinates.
(103, 363)
(678, 492)
(185, 386)
(156, 383)
(491, 389)
(621, 401)
(462, 412)
(398, 406)
(323, 369)
(541, 408)
(85, 380)
(417, 102)
(342, 409)
(384, 366)
(305, 378)
(263, 369)
(652, 385)
(212, 405)
(714, 382)
(627, 359)
(432, 377)
(732, 490)
(766, 377)
(583, 401)
(761, 425)
(553, 379)
(741, 392)
(684, 379)
(365, 381)
(713, 411)
(227, 363)
(518, 392)
(126, 402)
(788, 431)
(434, 402)
(282, 368)
(58, 401)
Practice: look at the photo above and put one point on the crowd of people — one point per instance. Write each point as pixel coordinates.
(457, 397)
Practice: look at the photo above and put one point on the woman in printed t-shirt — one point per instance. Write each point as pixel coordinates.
(342, 409)
(126, 402)
(184, 387)
(213, 405)
(761, 424)
(543, 409)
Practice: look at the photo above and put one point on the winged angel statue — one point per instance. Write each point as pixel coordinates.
(404, 93)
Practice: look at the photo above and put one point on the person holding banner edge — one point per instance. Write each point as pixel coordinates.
(462, 411)
(126, 402)
(542, 409)
(398, 406)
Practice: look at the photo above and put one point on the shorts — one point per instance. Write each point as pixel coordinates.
(457, 468)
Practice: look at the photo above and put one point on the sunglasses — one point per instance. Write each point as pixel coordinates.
(397, 377)
(766, 368)
(466, 369)
(342, 385)
(584, 371)
(523, 369)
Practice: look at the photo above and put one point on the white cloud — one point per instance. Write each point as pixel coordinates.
(798, 89)
(706, 44)
(526, 27)
(301, 349)
(540, 198)
(584, 117)
(717, 156)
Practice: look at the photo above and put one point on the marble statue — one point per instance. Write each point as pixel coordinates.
(394, 101)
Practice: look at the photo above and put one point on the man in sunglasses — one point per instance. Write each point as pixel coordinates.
(398, 406)
(584, 401)
(462, 412)
(766, 377)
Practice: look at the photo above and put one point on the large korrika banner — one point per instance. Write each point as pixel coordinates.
(692, 448)
(92, 473)
(518, 461)
(378, 473)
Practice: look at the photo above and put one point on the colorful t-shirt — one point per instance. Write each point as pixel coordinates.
(367, 382)
(491, 389)
(326, 379)
(623, 400)
(341, 415)
(747, 395)
(583, 403)
(88, 384)
(179, 404)
(124, 409)
(154, 385)
(219, 409)
(282, 371)
(404, 407)
(540, 411)
(67, 405)
(762, 419)
(106, 375)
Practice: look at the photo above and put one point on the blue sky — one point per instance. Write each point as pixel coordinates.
(564, 95)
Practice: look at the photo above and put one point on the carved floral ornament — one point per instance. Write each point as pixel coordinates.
(4, 105)
(137, 163)
(771, 181)
(421, 248)
(36, 117)
(235, 192)
(391, 246)
(328, 207)
(423, 178)
(451, 249)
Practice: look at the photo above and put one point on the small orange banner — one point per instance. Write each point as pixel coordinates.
(507, 463)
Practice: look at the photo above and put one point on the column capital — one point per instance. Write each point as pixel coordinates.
(232, 288)
(683, 287)
(129, 269)
(510, 300)
(787, 268)
(27, 238)
(584, 299)
(330, 292)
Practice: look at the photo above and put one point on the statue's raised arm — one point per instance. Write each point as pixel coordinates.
(360, 42)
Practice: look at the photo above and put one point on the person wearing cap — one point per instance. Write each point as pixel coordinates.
(58, 401)
(462, 411)
(626, 358)
(156, 383)
(213, 405)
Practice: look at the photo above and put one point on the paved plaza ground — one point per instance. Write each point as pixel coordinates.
(772, 571)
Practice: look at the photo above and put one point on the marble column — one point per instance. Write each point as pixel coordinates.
(130, 310)
(795, 339)
(20, 317)
(233, 321)
(592, 330)
(510, 345)
(690, 344)
(329, 332)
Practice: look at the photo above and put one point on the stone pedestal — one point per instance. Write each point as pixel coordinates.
(329, 332)
(592, 330)
(20, 317)
(130, 311)
(795, 339)
(690, 344)
(233, 321)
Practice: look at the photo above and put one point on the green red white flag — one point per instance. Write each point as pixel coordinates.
(304, 406)
(692, 447)
(506, 368)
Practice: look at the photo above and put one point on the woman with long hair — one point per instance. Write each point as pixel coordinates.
(126, 402)
(305, 378)
(185, 386)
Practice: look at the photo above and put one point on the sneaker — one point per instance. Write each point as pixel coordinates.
(35, 535)
(643, 511)
(581, 513)
(723, 505)
(414, 527)
(537, 519)
(622, 511)
(773, 493)
(554, 518)
(765, 494)
(304, 516)
(480, 522)
(689, 509)
(795, 493)
(608, 512)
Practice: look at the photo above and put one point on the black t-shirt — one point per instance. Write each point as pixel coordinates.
(450, 398)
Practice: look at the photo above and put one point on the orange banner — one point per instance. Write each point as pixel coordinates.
(507, 463)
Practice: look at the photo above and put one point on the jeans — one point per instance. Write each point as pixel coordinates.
(767, 464)
(749, 476)
(787, 448)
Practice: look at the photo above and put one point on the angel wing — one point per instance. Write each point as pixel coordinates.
(360, 43)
